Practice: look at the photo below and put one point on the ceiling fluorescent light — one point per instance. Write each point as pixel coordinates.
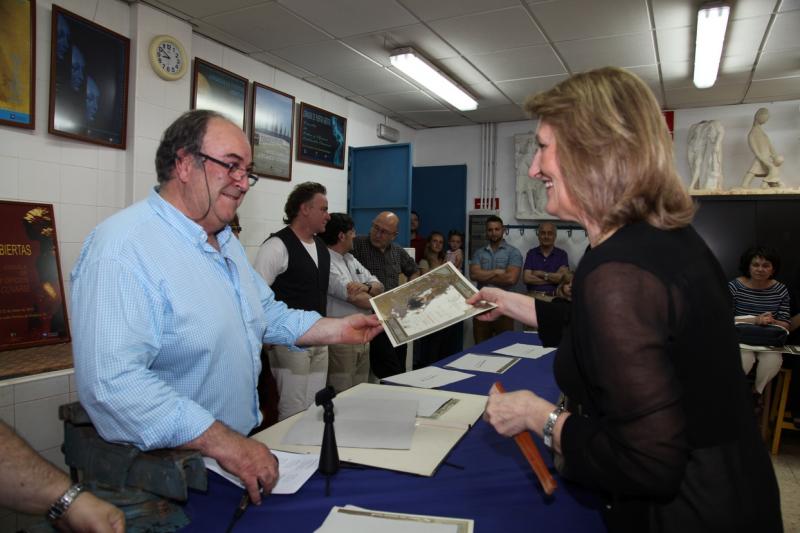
(712, 21)
(419, 69)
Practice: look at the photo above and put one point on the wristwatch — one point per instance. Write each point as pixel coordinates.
(547, 276)
(61, 505)
(549, 426)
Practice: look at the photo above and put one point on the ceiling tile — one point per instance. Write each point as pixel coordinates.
(461, 70)
(439, 9)
(286, 66)
(324, 57)
(488, 32)
(744, 37)
(677, 74)
(789, 5)
(752, 8)
(505, 113)
(716, 95)
(778, 64)
(330, 86)
(438, 119)
(584, 19)
(379, 45)
(785, 33)
(776, 89)
(675, 44)
(369, 104)
(368, 81)
(212, 32)
(344, 18)
(733, 70)
(408, 101)
(267, 26)
(488, 95)
(205, 8)
(529, 62)
(674, 14)
(619, 50)
(519, 90)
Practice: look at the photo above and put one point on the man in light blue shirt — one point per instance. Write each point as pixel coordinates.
(169, 317)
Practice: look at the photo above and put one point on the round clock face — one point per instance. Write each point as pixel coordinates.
(168, 58)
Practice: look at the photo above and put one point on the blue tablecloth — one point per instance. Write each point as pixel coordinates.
(495, 486)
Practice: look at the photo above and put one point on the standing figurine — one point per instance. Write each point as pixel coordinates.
(705, 154)
(767, 162)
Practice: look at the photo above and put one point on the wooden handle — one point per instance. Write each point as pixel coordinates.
(531, 453)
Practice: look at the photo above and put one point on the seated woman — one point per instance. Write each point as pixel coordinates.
(761, 300)
(434, 255)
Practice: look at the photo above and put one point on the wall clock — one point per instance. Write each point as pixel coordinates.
(168, 57)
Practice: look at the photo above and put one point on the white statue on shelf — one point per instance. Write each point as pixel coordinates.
(705, 154)
(767, 162)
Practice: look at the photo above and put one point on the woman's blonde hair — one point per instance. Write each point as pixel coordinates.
(614, 149)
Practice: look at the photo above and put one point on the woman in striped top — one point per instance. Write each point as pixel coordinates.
(760, 299)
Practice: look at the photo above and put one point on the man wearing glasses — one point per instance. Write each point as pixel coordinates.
(169, 317)
(386, 260)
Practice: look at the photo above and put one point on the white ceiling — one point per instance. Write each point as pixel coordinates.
(503, 50)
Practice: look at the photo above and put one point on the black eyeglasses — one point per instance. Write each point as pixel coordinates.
(235, 172)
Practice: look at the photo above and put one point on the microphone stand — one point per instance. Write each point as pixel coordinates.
(329, 454)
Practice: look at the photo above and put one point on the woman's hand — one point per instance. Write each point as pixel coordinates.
(512, 413)
(511, 304)
(764, 319)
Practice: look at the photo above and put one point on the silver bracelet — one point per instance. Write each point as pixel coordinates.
(62, 504)
(549, 426)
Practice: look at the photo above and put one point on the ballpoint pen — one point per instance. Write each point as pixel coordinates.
(240, 509)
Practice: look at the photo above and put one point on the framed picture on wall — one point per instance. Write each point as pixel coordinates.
(88, 81)
(18, 63)
(272, 132)
(322, 137)
(220, 90)
(32, 306)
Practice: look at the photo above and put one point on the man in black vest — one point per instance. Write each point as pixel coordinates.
(296, 264)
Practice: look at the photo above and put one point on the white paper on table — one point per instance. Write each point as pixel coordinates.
(360, 423)
(294, 468)
(528, 351)
(428, 378)
(427, 404)
(496, 364)
(352, 519)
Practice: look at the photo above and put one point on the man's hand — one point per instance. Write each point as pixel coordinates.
(354, 288)
(247, 459)
(359, 329)
(91, 514)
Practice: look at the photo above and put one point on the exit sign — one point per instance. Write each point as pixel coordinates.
(489, 203)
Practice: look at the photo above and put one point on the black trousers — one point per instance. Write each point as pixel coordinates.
(384, 359)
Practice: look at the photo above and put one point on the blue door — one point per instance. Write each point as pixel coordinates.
(380, 180)
(439, 196)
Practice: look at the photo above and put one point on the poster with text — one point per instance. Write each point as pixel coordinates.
(322, 137)
(32, 306)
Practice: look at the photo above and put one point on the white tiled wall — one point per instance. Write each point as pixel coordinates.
(30, 406)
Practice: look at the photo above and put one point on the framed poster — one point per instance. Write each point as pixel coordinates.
(322, 137)
(88, 81)
(272, 132)
(18, 63)
(32, 306)
(219, 90)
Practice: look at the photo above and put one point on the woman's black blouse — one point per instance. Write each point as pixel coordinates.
(666, 430)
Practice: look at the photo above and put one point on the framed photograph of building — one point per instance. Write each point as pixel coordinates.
(18, 63)
(220, 90)
(32, 307)
(88, 81)
(322, 137)
(272, 132)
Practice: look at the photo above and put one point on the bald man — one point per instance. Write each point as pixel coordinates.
(545, 265)
(385, 259)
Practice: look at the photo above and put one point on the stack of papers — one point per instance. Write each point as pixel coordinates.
(428, 378)
(496, 364)
(528, 351)
(383, 423)
(295, 469)
(351, 519)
